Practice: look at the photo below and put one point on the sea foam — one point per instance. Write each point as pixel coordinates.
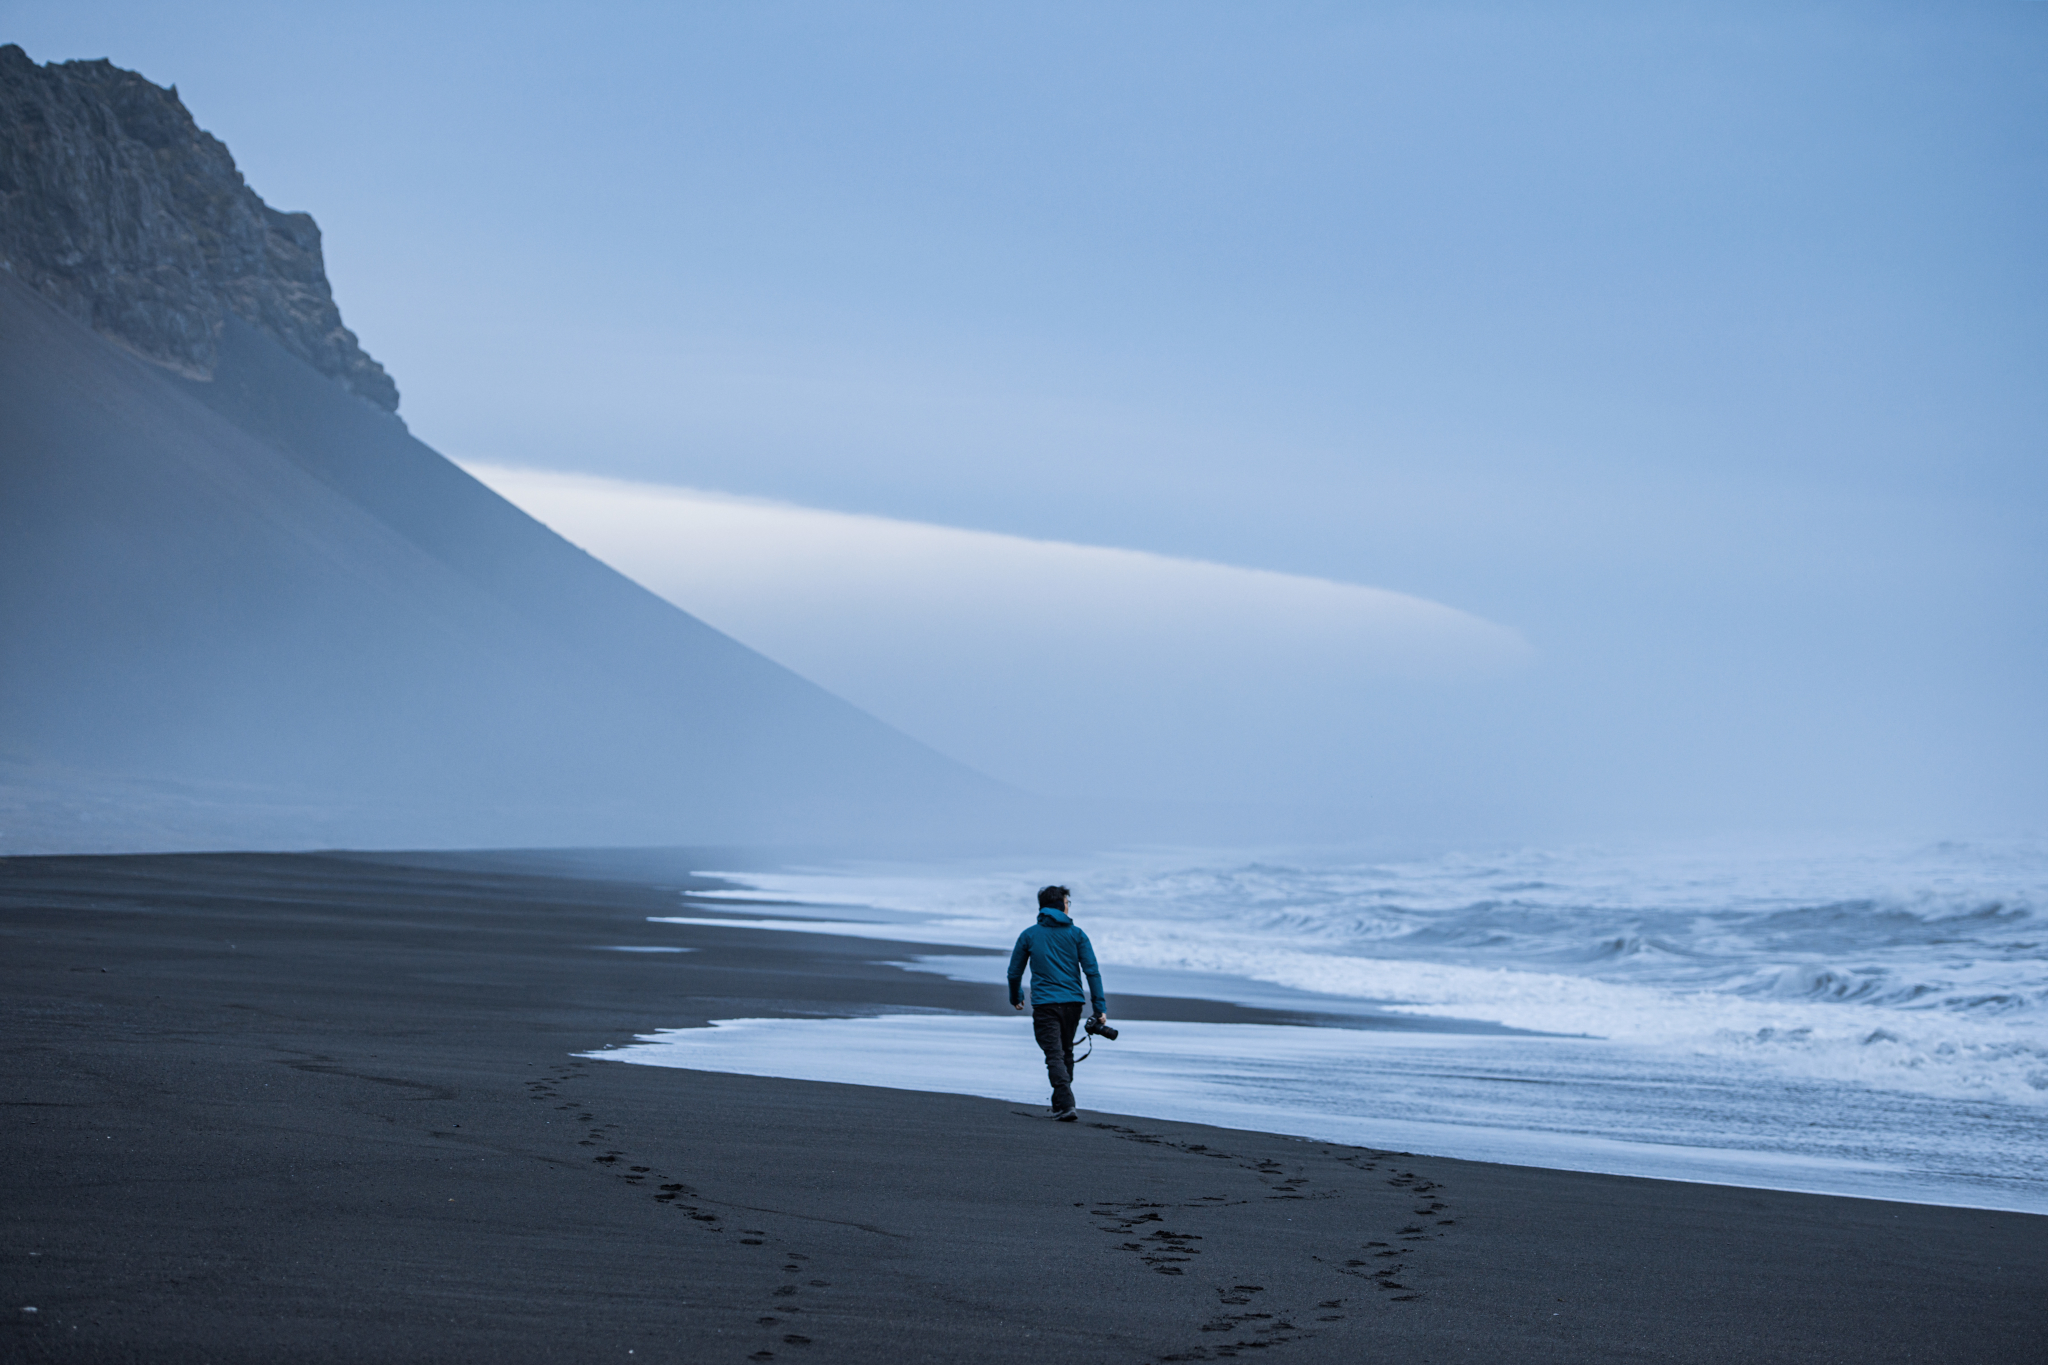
(1774, 994)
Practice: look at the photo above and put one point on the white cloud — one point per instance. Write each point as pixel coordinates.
(1133, 671)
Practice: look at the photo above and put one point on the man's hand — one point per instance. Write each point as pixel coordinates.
(1101, 1016)
(1019, 1007)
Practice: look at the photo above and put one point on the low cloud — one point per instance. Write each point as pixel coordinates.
(1135, 673)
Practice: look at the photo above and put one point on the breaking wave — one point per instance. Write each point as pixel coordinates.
(1919, 969)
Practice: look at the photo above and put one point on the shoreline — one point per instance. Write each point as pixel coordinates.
(326, 1107)
(1437, 1083)
(995, 1067)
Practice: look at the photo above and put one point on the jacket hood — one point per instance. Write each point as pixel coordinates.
(1053, 917)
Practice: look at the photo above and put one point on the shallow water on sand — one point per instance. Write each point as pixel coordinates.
(1856, 1020)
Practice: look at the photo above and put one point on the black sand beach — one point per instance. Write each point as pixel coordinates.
(307, 1108)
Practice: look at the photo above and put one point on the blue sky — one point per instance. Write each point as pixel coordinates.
(1703, 344)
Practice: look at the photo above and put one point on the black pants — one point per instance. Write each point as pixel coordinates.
(1053, 1026)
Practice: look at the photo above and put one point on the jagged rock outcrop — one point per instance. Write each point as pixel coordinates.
(118, 207)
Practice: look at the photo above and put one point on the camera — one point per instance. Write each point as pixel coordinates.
(1100, 1029)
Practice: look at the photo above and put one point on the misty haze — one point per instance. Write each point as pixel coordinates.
(616, 626)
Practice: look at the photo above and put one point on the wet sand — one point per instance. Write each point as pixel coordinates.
(292, 1107)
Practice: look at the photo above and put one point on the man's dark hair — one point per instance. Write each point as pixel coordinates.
(1053, 897)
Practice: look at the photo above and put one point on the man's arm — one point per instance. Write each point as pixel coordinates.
(1094, 977)
(1019, 955)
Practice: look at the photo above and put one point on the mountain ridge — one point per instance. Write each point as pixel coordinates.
(244, 607)
(117, 207)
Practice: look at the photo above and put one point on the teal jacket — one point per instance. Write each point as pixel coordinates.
(1059, 952)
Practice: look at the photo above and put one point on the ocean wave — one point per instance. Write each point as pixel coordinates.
(1924, 969)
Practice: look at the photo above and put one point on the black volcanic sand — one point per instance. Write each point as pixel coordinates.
(311, 1108)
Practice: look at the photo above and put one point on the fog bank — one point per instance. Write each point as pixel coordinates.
(1054, 666)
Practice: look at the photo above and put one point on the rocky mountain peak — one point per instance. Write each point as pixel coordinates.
(118, 207)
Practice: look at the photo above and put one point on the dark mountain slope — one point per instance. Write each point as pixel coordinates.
(251, 601)
(353, 621)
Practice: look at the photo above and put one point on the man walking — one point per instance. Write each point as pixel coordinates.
(1059, 952)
